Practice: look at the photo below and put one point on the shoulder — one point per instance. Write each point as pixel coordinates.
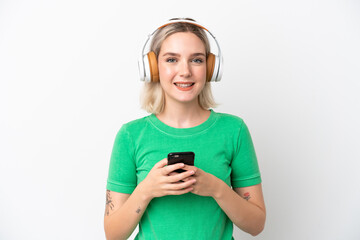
(134, 126)
(136, 123)
(229, 120)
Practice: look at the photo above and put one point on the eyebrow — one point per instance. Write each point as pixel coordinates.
(176, 54)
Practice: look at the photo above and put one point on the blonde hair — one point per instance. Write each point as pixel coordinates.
(152, 98)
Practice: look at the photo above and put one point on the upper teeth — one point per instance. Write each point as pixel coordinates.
(183, 84)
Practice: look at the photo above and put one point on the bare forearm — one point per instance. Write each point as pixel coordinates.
(245, 215)
(122, 222)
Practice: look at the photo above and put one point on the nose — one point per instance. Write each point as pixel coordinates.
(184, 69)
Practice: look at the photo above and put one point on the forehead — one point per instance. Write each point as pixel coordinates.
(183, 41)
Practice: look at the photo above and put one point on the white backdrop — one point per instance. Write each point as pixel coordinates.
(69, 80)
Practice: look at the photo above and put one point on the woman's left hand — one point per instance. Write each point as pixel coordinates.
(206, 183)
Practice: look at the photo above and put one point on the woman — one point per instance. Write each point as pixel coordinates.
(224, 185)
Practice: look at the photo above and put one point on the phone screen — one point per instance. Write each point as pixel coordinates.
(181, 157)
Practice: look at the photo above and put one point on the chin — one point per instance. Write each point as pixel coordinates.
(188, 101)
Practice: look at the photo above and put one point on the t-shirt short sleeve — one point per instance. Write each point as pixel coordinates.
(245, 168)
(122, 170)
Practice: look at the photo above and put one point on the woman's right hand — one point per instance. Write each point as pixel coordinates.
(160, 182)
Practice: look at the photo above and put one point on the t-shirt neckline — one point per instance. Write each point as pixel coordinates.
(183, 131)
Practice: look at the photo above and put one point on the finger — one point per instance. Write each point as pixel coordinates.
(173, 173)
(188, 167)
(180, 192)
(161, 163)
(170, 168)
(179, 185)
(181, 176)
(188, 179)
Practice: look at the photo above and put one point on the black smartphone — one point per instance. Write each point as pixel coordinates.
(181, 157)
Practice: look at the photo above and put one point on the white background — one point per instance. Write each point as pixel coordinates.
(69, 80)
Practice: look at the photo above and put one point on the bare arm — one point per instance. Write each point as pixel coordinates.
(124, 211)
(244, 206)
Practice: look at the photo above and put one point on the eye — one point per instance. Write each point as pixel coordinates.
(198, 60)
(170, 60)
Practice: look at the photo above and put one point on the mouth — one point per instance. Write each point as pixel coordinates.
(184, 86)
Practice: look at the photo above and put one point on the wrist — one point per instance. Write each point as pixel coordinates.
(143, 192)
(219, 188)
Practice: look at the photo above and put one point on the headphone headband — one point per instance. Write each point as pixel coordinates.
(183, 21)
(145, 61)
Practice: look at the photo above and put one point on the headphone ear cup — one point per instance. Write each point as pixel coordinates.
(210, 65)
(141, 68)
(154, 70)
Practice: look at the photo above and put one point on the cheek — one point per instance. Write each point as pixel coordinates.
(164, 71)
(200, 72)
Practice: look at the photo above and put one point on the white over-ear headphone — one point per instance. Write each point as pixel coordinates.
(148, 66)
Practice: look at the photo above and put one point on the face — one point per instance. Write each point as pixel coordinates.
(182, 67)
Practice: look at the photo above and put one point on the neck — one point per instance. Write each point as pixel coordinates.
(180, 115)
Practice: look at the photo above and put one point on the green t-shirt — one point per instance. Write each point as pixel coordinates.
(222, 147)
